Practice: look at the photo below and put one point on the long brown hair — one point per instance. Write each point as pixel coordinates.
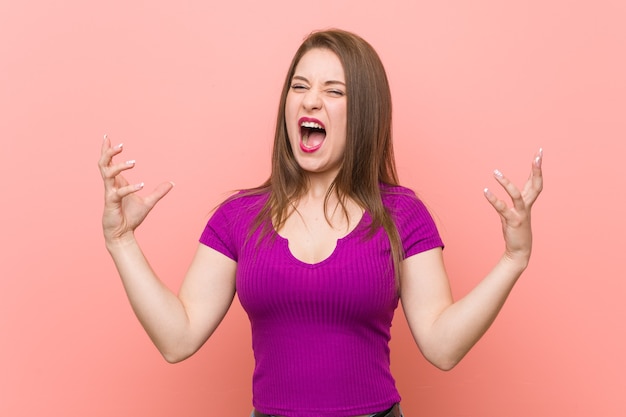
(368, 159)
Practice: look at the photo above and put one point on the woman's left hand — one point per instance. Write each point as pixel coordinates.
(516, 219)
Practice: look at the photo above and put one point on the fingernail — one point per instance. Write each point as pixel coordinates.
(105, 136)
(131, 162)
(173, 183)
(538, 158)
(497, 173)
(120, 146)
(139, 186)
(487, 192)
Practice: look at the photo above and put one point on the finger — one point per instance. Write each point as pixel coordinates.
(121, 181)
(107, 153)
(534, 185)
(106, 144)
(113, 171)
(497, 204)
(537, 172)
(118, 194)
(113, 180)
(159, 192)
(511, 189)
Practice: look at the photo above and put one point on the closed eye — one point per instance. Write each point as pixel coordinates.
(336, 93)
(298, 87)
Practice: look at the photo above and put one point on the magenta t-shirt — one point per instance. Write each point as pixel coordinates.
(320, 332)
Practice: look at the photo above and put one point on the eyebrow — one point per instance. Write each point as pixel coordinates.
(329, 82)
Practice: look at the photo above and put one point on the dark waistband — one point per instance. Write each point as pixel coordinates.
(394, 411)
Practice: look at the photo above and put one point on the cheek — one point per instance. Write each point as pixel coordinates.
(288, 105)
(290, 116)
(342, 123)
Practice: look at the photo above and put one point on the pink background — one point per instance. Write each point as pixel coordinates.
(191, 88)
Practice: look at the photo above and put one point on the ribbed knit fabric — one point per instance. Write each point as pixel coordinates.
(320, 332)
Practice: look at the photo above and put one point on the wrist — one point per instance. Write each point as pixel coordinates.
(119, 242)
(518, 261)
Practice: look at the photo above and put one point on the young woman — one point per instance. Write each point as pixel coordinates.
(322, 252)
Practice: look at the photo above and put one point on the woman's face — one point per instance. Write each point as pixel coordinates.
(316, 112)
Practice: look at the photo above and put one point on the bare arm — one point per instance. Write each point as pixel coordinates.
(177, 324)
(446, 330)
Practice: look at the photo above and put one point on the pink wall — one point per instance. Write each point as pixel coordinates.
(191, 89)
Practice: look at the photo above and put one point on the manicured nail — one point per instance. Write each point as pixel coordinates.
(139, 186)
(105, 136)
(120, 146)
(131, 162)
(538, 158)
(497, 173)
(487, 192)
(173, 183)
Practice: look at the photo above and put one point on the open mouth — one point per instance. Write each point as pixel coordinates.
(312, 134)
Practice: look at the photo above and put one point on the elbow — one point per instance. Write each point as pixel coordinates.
(174, 357)
(445, 364)
(444, 361)
(175, 351)
(176, 354)
(171, 358)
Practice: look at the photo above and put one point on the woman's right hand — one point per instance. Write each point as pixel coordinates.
(124, 210)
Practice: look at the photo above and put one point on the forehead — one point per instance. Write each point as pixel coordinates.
(320, 64)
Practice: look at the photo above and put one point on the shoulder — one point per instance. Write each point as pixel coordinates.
(244, 201)
(395, 190)
(412, 218)
(240, 209)
(227, 229)
(397, 198)
(406, 208)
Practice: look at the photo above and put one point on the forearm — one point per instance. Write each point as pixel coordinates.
(464, 322)
(158, 309)
(446, 330)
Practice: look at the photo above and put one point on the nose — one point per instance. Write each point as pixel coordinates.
(312, 100)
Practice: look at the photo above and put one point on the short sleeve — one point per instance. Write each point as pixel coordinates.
(229, 228)
(218, 235)
(414, 222)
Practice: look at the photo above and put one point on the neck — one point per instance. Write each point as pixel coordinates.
(318, 185)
